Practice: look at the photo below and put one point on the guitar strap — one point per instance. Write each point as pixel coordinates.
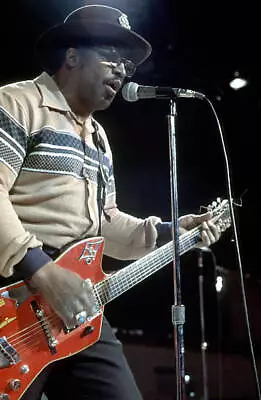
(101, 176)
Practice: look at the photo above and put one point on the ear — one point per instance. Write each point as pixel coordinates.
(72, 58)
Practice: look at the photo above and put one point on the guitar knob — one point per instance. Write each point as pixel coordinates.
(15, 384)
(24, 369)
(4, 396)
(89, 329)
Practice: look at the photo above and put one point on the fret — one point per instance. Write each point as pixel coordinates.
(124, 279)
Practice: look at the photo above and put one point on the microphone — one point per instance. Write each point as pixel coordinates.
(133, 92)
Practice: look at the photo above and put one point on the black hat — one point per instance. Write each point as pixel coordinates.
(93, 24)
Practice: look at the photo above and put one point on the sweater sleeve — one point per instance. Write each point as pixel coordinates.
(128, 237)
(14, 240)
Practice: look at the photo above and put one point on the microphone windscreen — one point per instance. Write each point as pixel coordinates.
(130, 91)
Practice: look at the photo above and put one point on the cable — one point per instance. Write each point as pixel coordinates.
(233, 223)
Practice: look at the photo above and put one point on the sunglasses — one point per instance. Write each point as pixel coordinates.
(111, 58)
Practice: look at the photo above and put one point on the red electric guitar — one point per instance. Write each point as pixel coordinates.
(33, 336)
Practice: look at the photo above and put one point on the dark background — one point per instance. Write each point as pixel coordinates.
(199, 46)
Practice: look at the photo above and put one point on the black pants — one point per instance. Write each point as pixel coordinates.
(97, 373)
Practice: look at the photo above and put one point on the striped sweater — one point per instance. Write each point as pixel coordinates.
(48, 179)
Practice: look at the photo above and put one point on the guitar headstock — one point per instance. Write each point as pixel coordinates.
(220, 213)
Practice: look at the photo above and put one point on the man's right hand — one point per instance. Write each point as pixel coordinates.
(65, 291)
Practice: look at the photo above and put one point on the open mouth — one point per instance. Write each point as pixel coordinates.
(114, 84)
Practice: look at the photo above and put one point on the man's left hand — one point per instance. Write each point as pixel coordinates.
(210, 232)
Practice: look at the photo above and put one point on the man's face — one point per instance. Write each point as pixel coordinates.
(101, 75)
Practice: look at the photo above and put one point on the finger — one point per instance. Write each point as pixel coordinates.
(207, 233)
(80, 317)
(91, 300)
(210, 235)
(199, 219)
(206, 216)
(90, 306)
(67, 318)
(205, 239)
(215, 229)
(75, 318)
(204, 226)
(66, 310)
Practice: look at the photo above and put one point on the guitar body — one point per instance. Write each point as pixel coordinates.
(32, 336)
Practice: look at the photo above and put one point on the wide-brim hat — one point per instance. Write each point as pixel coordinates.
(96, 24)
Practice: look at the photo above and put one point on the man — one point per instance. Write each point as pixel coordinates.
(57, 187)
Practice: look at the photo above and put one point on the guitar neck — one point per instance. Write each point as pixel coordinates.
(126, 278)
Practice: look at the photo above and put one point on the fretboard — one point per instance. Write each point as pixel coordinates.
(126, 278)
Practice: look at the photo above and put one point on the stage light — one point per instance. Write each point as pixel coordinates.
(187, 378)
(237, 82)
(219, 283)
(204, 346)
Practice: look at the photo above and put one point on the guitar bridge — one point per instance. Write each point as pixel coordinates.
(51, 341)
(8, 354)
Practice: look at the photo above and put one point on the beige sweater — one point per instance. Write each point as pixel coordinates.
(48, 179)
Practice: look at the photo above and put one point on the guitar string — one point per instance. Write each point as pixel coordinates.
(31, 342)
(25, 348)
(147, 261)
(110, 292)
(22, 345)
(23, 330)
(23, 340)
(38, 329)
(106, 295)
(166, 256)
(40, 324)
(29, 336)
(28, 345)
(186, 240)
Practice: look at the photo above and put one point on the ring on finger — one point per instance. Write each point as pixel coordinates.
(81, 317)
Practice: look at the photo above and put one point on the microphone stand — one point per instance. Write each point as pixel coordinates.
(178, 310)
(202, 323)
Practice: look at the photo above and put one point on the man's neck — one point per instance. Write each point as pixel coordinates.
(68, 90)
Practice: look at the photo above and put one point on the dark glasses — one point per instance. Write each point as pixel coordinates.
(110, 57)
